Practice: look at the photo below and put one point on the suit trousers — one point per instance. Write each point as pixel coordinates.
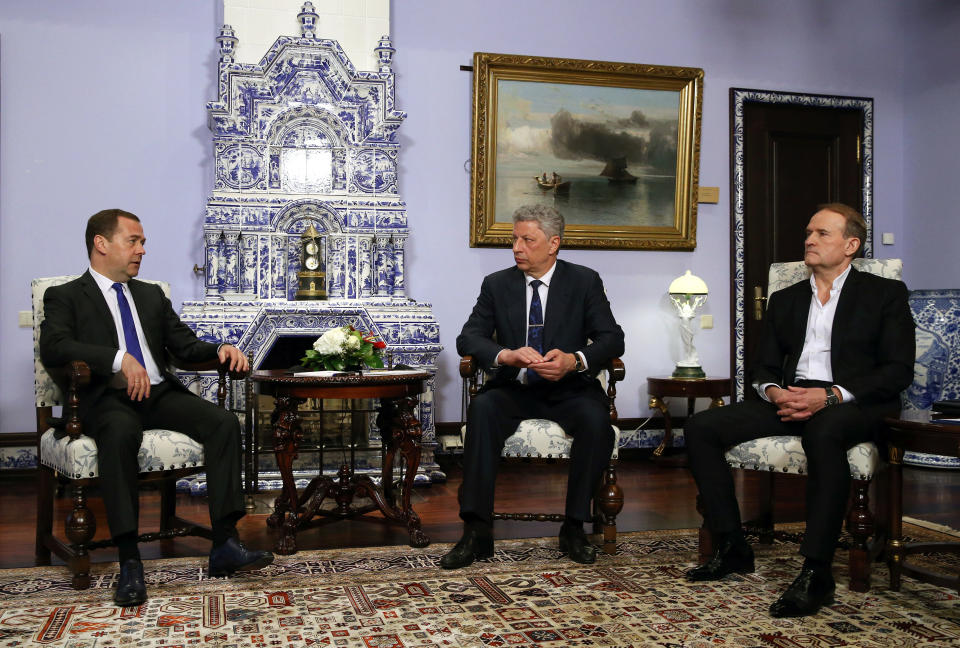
(117, 424)
(825, 437)
(494, 415)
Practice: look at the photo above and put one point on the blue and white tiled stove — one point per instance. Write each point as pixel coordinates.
(302, 138)
(937, 369)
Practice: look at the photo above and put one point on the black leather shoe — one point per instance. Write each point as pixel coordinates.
(810, 591)
(232, 557)
(472, 546)
(573, 542)
(732, 556)
(131, 590)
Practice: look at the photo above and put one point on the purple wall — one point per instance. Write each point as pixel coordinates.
(931, 144)
(98, 135)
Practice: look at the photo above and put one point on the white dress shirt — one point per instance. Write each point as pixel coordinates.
(109, 294)
(814, 361)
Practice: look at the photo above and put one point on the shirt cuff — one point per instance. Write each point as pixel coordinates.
(762, 389)
(117, 362)
(847, 396)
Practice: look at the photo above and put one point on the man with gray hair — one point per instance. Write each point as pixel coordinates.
(543, 328)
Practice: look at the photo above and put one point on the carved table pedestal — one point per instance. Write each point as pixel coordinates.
(400, 431)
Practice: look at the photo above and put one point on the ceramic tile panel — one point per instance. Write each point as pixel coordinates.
(303, 138)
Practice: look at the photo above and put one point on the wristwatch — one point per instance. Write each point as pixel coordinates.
(579, 363)
(831, 397)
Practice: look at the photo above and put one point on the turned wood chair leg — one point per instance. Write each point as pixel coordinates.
(80, 528)
(765, 520)
(610, 502)
(860, 525)
(168, 504)
(44, 515)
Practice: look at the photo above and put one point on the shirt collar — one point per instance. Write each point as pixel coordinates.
(837, 283)
(547, 276)
(104, 283)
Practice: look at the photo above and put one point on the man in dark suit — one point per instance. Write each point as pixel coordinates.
(835, 353)
(544, 329)
(123, 329)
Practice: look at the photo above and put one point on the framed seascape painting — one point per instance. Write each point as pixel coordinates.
(615, 147)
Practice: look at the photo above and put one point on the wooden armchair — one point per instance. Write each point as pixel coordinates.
(784, 454)
(64, 452)
(539, 439)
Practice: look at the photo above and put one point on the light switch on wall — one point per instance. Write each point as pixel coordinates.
(706, 321)
(887, 238)
(25, 319)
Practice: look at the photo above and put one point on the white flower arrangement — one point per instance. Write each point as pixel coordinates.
(343, 348)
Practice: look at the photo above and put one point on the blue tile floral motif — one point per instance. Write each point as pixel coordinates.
(303, 138)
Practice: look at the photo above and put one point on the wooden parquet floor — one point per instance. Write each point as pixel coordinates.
(656, 497)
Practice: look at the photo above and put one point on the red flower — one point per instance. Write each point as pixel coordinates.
(379, 344)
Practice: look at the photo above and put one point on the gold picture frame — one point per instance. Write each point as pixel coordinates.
(624, 136)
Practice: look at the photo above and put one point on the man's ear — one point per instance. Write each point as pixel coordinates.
(852, 245)
(554, 244)
(100, 243)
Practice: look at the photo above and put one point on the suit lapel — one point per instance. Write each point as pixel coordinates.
(92, 292)
(558, 299)
(145, 312)
(845, 307)
(516, 295)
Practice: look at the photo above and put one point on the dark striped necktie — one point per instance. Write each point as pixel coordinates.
(535, 328)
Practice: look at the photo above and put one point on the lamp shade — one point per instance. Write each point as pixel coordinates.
(688, 284)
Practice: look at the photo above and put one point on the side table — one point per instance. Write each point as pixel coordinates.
(916, 431)
(399, 393)
(660, 387)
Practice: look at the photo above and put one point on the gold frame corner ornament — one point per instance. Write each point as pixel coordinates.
(489, 69)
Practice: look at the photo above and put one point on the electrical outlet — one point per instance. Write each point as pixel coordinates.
(25, 319)
(706, 321)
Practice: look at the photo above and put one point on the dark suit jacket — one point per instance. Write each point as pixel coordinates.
(872, 348)
(577, 311)
(78, 326)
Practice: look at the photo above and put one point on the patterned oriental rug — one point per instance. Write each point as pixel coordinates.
(526, 596)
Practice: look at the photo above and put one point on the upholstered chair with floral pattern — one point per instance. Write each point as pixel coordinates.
(65, 452)
(784, 454)
(540, 440)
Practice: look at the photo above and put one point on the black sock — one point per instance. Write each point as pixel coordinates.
(476, 523)
(223, 530)
(816, 565)
(571, 523)
(127, 547)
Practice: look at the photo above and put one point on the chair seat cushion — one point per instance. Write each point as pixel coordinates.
(543, 439)
(160, 450)
(785, 454)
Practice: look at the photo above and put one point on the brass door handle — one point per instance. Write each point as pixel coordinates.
(758, 302)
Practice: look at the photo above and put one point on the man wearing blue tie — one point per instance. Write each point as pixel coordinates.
(543, 328)
(123, 329)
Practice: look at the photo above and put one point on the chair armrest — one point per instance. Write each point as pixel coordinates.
(616, 371)
(70, 377)
(468, 367)
(214, 364)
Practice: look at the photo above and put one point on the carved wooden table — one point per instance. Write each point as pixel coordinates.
(916, 431)
(399, 430)
(660, 387)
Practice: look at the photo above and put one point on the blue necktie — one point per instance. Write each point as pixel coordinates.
(129, 328)
(535, 328)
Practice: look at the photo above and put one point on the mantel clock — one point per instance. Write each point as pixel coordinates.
(311, 278)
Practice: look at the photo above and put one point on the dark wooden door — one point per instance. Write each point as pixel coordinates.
(795, 158)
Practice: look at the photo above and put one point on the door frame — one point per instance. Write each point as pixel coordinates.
(738, 98)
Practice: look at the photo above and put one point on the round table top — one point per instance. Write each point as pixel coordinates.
(369, 377)
(711, 386)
